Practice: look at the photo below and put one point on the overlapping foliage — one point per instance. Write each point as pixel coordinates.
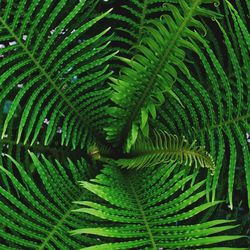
(140, 89)
(131, 27)
(38, 215)
(57, 99)
(151, 207)
(218, 114)
(61, 74)
(166, 147)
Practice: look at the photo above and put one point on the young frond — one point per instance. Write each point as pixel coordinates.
(39, 215)
(59, 66)
(163, 148)
(145, 210)
(151, 73)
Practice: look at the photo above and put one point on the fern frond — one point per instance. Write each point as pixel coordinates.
(7, 145)
(19, 151)
(56, 99)
(218, 115)
(57, 64)
(39, 217)
(146, 210)
(131, 20)
(165, 147)
(151, 73)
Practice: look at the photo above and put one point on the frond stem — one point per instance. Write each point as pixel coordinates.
(142, 21)
(38, 148)
(223, 124)
(58, 225)
(164, 151)
(154, 247)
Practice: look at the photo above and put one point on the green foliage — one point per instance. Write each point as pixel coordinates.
(151, 207)
(131, 28)
(39, 216)
(219, 113)
(47, 60)
(164, 148)
(71, 110)
(139, 90)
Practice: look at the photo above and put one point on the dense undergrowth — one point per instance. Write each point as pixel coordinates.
(124, 125)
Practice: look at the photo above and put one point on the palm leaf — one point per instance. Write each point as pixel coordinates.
(164, 148)
(139, 89)
(40, 216)
(58, 65)
(146, 211)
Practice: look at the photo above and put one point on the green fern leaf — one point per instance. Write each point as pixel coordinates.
(56, 99)
(40, 217)
(131, 24)
(219, 115)
(143, 214)
(163, 148)
(152, 72)
(44, 56)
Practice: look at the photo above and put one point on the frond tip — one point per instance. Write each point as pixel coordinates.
(165, 148)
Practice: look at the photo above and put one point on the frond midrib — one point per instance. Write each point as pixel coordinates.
(222, 124)
(178, 151)
(41, 69)
(151, 81)
(151, 237)
(57, 226)
(142, 21)
(39, 148)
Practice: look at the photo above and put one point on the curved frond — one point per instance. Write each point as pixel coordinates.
(165, 147)
(185, 70)
(53, 68)
(140, 89)
(147, 210)
(39, 215)
(217, 109)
